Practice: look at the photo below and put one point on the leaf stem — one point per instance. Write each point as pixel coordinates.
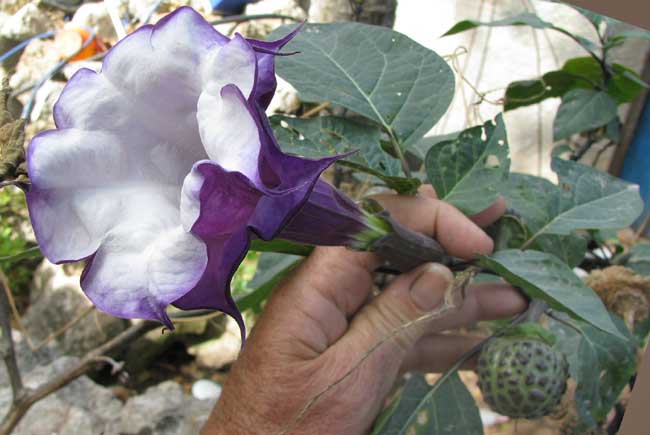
(398, 150)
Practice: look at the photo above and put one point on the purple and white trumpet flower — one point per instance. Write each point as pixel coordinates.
(162, 166)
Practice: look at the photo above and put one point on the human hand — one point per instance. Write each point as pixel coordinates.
(322, 320)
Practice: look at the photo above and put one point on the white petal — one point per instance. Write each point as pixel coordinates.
(190, 199)
(233, 63)
(142, 266)
(229, 132)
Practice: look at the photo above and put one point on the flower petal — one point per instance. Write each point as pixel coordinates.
(266, 81)
(225, 254)
(141, 267)
(234, 63)
(229, 132)
(72, 179)
(215, 202)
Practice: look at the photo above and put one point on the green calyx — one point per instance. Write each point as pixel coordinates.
(376, 228)
(531, 330)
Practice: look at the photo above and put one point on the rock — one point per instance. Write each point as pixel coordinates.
(11, 6)
(28, 21)
(206, 389)
(70, 69)
(27, 358)
(96, 17)
(285, 99)
(46, 97)
(57, 299)
(259, 29)
(327, 11)
(82, 407)
(142, 8)
(219, 352)
(162, 410)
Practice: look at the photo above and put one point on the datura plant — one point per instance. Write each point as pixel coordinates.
(164, 171)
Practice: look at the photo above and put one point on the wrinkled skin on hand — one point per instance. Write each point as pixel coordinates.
(322, 320)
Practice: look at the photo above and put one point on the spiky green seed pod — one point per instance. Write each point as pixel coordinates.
(522, 377)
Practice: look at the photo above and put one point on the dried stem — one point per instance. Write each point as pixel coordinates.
(7, 343)
(27, 397)
(453, 298)
(24, 398)
(315, 110)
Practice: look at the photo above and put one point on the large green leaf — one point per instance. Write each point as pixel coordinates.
(639, 260)
(330, 135)
(586, 198)
(422, 147)
(532, 200)
(546, 277)
(601, 365)
(624, 86)
(422, 410)
(591, 199)
(582, 110)
(371, 70)
(469, 170)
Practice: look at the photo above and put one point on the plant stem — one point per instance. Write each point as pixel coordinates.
(400, 154)
(7, 344)
(27, 397)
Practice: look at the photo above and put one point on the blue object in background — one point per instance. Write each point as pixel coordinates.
(230, 6)
(636, 168)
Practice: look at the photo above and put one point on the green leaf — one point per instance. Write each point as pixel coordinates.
(546, 277)
(271, 269)
(468, 171)
(570, 249)
(586, 70)
(639, 260)
(532, 200)
(586, 199)
(523, 19)
(508, 232)
(577, 73)
(422, 410)
(422, 147)
(601, 364)
(625, 84)
(371, 70)
(527, 92)
(591, 199)
(582, 110)
(330, 135)
(635, 33)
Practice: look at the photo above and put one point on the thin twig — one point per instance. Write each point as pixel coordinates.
(450, 303)
(600, 152)
(7, 344)
(314, 111)
(244, 18)
(28, 397)
(62, 330)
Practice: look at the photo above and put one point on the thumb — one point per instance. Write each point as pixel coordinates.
(409, 297)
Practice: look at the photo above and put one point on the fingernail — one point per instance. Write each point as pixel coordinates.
(428, 289)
